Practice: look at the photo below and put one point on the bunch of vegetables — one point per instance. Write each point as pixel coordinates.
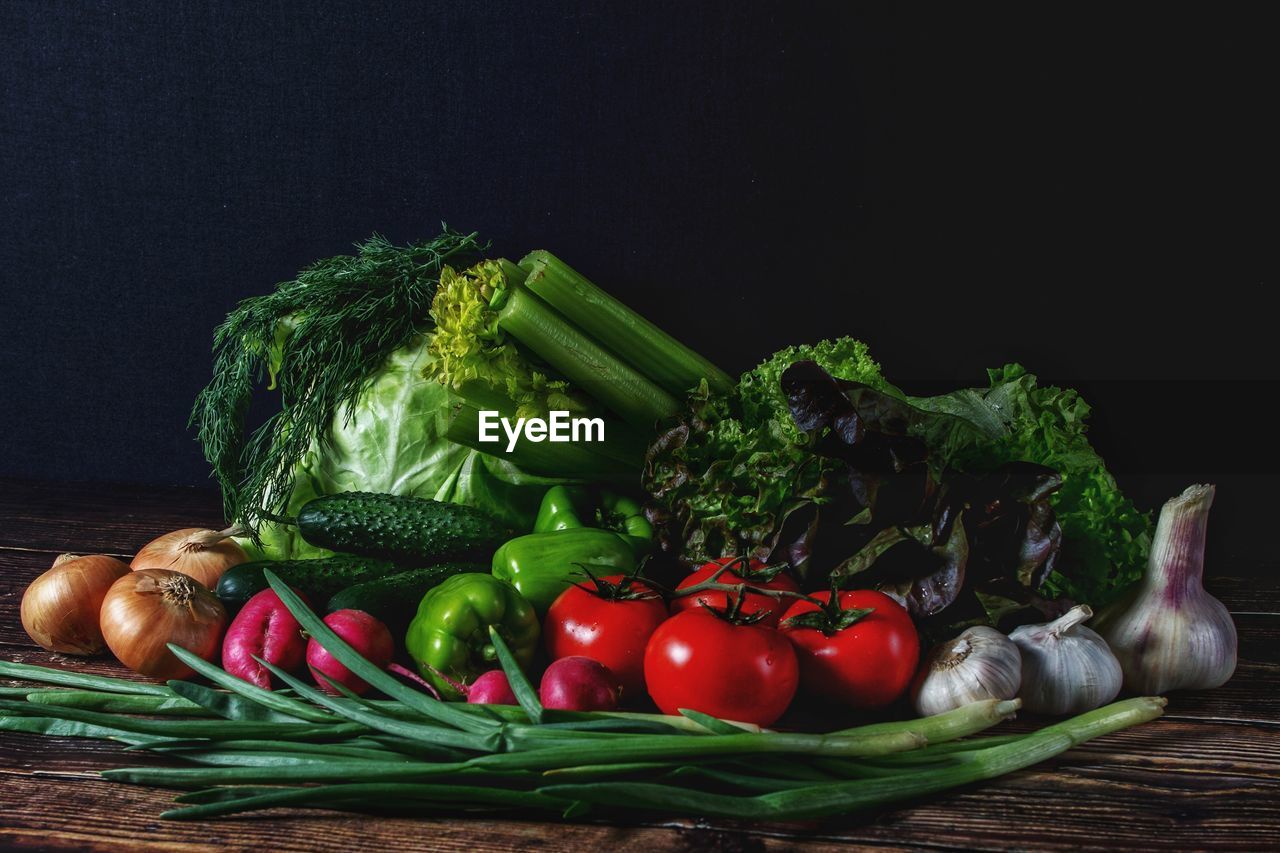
(384, 360)
(415, 754)
(804, 528)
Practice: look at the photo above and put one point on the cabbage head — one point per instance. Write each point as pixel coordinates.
(392, 440)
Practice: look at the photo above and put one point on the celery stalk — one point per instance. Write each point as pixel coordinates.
(582, 361)
(639, 342)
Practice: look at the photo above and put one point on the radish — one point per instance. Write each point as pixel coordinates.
(491, 688)
(369, 637)
(577, 683)
(265, 628)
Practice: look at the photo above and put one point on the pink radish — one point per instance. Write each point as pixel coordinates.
(491, 688)
(363, 633)
(265, 628)
(577, 683)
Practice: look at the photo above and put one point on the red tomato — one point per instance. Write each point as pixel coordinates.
(611, 631)
(754, 601)
(865, 665)
(697, 660)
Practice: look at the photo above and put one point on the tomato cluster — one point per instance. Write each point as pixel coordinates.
(738, 654)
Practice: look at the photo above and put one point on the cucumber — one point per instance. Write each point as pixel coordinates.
(405, 530)
(394, 599)
(318, 579)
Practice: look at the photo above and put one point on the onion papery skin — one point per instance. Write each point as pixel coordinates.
(196, 552)
(149, 608)
(60, 608)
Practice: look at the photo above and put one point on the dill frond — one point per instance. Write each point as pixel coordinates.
(319, 339)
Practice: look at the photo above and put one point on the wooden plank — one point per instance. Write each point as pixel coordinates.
(1256, 592)
(88, 813)
(98, 518)
(1208, 774)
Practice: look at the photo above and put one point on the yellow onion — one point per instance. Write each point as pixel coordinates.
(148, 608)
(60, 608)
(201, 554)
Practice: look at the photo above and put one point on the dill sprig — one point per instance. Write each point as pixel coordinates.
(319, 339)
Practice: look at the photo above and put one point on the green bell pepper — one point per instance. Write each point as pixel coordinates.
(543, 565)
(449, 638)
(572, 507)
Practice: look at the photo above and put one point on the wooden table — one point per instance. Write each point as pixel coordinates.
(1206, 775)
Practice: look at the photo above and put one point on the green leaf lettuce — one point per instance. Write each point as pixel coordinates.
(730, 473)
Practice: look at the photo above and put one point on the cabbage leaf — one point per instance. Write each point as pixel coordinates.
(392, 439)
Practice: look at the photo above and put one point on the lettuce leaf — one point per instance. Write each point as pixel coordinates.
(1105, 537)
(729, 475)
(760, 390)
(734, 474)
(470, 352)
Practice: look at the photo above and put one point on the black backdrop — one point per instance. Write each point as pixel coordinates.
(1089, 192)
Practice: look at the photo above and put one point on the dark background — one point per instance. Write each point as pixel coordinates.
(1088, 192)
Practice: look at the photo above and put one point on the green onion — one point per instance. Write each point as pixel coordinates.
(59, 727)
(711, 724)
(346, 749)
(217, 795)
(272, 700)
(223, 757)
(960, 722)
(192, 728)
(603, 771)
(116, 703)
(515, 714)
(747, 781)
(435, 735)
(520, 685)
(468, 796)
(46, 675)
(229, 706)
(845, 797)
(684, 748)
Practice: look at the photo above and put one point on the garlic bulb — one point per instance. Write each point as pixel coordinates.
(1168, 633)
(980, 664)
(1066, 667)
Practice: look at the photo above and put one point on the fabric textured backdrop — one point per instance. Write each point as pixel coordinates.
(1079, 193)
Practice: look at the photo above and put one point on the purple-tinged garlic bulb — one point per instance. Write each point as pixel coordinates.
(1168, 633)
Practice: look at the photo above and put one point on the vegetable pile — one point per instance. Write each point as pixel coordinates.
(257, 749)
(411, 618)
